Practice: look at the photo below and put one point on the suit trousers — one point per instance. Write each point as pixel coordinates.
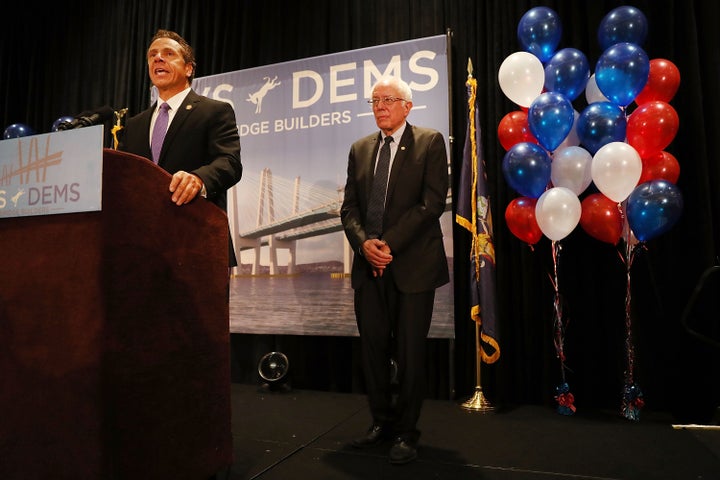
(394, 325)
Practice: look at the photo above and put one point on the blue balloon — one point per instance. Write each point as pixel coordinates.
(623, 24)
(551, 118)
(653, 208)
(526, 167)
(567, 72)
(621, 72)
(601, 123)
(17, 130)
(539, 32)
(63, 119)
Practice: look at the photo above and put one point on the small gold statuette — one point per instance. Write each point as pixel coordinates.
(119, 114)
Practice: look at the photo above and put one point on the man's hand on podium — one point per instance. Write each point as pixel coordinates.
(185, 187)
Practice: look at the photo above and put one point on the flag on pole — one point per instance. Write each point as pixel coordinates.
(473, 214)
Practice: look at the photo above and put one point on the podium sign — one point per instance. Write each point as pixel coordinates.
(51, 173)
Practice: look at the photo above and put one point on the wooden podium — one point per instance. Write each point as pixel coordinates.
(114, 336)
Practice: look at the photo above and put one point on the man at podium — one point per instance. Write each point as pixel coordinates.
(192, 137)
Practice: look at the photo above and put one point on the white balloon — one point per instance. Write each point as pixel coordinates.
(616, 169)
(521, 77)
(570, 168)
(593, 93)
(557, 212)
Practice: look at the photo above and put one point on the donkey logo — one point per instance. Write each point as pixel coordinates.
(258, 96)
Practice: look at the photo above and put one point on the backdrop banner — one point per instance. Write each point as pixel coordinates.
(297, 121)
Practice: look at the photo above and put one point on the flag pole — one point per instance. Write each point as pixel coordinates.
(478, 402)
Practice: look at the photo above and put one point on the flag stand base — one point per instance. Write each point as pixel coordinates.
(478, 402)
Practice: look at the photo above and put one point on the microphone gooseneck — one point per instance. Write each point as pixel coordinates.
(88, 118)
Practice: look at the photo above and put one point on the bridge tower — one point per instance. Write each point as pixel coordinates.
(266, 202)
(275, 243)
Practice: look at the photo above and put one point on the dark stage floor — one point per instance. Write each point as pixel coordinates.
(306, 435)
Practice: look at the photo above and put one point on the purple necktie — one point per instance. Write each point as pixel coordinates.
(159, 130)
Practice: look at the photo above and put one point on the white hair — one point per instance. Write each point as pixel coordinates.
(398, 83)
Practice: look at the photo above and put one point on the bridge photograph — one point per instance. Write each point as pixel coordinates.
(294, 260)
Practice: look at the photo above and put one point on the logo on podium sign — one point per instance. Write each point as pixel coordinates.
(52, 173)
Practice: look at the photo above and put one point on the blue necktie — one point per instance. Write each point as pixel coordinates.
(376, 202)
(159, 130)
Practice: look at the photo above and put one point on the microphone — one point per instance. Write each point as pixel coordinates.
(88, 118)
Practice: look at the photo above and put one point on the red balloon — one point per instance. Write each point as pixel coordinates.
(660, 166)
(514, 128)
(601, 218)
(663, 82)
(651, 127)
(520, 219)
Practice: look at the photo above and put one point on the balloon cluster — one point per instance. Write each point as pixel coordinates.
(17, 130)
(555, 152)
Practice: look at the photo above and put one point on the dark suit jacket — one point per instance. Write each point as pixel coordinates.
(202, 139)
(416, 198)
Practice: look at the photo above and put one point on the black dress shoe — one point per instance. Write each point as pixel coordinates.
(402, 452)
(374, 436)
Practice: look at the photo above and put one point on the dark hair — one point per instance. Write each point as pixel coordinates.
(187, 51)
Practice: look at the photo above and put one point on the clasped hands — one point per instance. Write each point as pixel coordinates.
(184, 187)
(377, 253)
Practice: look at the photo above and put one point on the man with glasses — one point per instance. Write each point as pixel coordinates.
(395, 193)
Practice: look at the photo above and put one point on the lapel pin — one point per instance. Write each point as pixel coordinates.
(188, 107)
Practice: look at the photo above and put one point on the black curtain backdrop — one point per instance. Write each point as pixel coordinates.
(72, 56)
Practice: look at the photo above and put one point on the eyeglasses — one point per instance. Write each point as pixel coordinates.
(385, 100)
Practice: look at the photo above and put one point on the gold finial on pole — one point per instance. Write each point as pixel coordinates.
(469, 68)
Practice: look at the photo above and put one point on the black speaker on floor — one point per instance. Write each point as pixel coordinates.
(273, 370)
